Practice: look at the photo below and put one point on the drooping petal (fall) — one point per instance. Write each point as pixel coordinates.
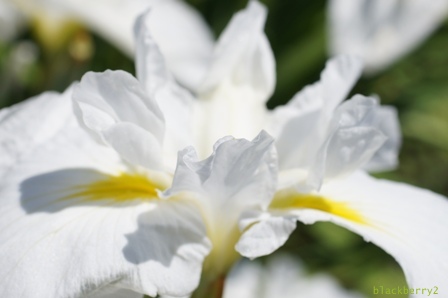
(17, 139)
(405, 221)
(72, 220)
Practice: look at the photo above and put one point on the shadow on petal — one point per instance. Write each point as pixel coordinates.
(170, 228)
(55, 191)
(160, 233)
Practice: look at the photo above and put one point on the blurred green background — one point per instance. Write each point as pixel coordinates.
(417, 85)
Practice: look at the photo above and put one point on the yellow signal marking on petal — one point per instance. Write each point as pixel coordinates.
(121, 188)
(293, 200)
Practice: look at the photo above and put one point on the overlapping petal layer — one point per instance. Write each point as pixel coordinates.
(65, 224)
(240, 175)
(116, 109)
(175, 102)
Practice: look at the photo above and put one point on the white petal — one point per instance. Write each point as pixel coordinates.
(134, 144)
(243, 53)
(407, 222)
(171, 243)
(338, 78)
(71, 247)
(382, 31)
(288, 278)
(24, 132)
(283, 276)
(174, 101)
(266, 236)
(149, 61)
(16, 138)
(240, 80)
(352, 141)
(300, 126)
(297, 131)
(239, 173)
(187, 43)
(65, 247)
(243, 281)
(112, 105)
(238, 176)
(386, 158)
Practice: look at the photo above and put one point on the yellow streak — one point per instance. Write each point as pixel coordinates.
(293, 200)
(124, 187)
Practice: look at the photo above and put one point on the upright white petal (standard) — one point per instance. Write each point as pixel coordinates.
(352, 139)
(386, 158)
(243, 54)
(114, 106)
(283, 276)
(318, 137)
(300, 126)
(77, 216)
(240, 79)
(382, 31)
(187, 43)
(175, 102)
(232, 93)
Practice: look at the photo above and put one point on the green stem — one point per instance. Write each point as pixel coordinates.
(210, 289)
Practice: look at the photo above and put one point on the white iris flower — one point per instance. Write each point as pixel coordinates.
(99, 209)
(323, 145)
(83, 210)
(382, 31)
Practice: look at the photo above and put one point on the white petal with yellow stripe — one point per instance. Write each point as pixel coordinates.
(75, 218)
(407, 222)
